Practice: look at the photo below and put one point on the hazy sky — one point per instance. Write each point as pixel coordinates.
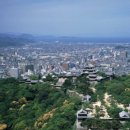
(90, 18)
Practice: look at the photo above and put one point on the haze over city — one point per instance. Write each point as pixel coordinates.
(84, 18)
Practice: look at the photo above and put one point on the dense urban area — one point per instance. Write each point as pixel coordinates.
(68, 85)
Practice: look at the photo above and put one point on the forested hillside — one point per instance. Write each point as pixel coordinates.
(118, 88)
(35, 107)
(42, 106)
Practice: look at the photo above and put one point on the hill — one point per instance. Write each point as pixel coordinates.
(35, 107)
(11, 39)
(42, 106)
(15, 40)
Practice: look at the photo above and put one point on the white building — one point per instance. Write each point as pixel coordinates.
(124, 114)
(14, 72)
(81, 114)
(86, 98)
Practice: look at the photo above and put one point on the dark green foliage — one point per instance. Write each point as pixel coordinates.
(21, 105)
(119, 88)
(49, 78)
(114, 111)
(83, 86)
(8, 80)
(64, 116)
(99, 124)
(101, 74)
(35, 77)
(67, 83)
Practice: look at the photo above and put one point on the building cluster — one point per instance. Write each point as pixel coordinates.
(91, 113)
(67, 59)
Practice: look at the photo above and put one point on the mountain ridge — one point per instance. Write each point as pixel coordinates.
(8, 39)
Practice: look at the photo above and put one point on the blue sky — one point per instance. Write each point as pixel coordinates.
(87, 18)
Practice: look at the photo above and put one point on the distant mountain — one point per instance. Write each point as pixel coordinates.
(67, 39)
(15, 40)
(11, 39)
